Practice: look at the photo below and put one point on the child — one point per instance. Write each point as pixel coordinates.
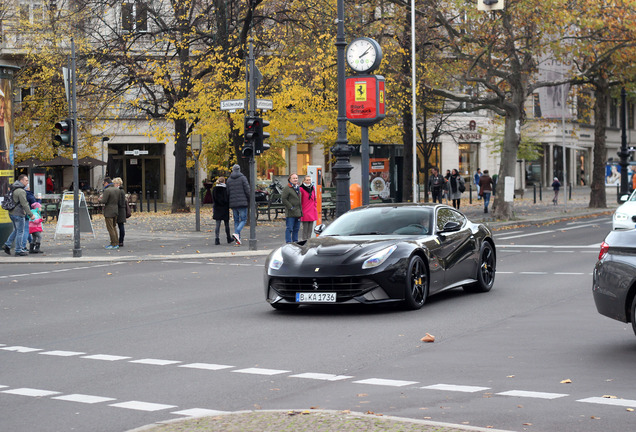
(35, 228)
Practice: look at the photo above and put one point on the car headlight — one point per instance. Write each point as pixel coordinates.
(276, 260)
(620, 216)
(379, 257)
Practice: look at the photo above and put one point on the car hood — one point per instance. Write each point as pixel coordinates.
(628, 208)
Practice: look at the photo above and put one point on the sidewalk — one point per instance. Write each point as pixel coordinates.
(162, 235)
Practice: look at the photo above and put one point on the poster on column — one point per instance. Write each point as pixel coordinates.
(66, 218)
(379, 180)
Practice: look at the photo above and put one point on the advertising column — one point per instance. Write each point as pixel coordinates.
(6, 143)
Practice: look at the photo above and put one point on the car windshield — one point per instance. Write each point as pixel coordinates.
(382, 221)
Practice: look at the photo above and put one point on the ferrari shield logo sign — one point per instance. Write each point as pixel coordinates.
(361, 91)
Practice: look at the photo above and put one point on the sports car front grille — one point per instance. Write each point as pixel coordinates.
(345, 288)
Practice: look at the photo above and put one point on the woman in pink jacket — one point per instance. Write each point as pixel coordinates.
(309, 207)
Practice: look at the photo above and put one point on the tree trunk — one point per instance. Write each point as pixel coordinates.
(180, 173)
(502, 209)
(597, 192)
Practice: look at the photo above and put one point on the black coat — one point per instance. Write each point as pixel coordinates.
(221, 203)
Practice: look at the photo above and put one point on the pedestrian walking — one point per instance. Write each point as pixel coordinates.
(110, 199)
(122, 207)
(221, 210)
(309, 207)
(456, 186)
(239, 192)
(35, 228)
(18, 217)
(556, 185)
(436, 185)
(485, 188)
(476, 178)
(293, 210)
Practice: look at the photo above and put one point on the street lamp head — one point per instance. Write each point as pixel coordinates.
(196, 143)
(104, 139)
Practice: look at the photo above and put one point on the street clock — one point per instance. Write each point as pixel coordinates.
(364, 55)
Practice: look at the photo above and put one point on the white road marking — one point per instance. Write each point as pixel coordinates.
(321, 376)
(594, 246)
(546, 232)
(62, 353)
(563, 251)
(142, 406)
(569, 274)
(385, 382)
(458, 388)
(207, 366)
(532, 394)
(82, 398)
(30, 392)
(3, 386)
(608, 401)
(105, 357)
(507, 233)
(534, 273)
(198, 412)
(260, 371)
(156, 362)
(21, 349)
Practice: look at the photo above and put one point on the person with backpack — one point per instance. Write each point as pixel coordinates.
(17, 214)
(456, 186)
(436, 184)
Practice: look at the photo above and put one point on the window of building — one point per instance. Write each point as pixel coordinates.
(613, 113)
(536, 105)
(302, 158)
(134, 17)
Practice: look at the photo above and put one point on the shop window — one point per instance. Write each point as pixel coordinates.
(613, 113)
(468, 162)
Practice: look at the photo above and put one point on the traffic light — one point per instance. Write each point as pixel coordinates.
(259, 140)
(249, 135)
(65, 133)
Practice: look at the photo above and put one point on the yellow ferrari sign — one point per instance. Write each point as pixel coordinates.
(361, 91)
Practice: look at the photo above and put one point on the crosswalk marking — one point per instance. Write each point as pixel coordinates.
(321, 376)
(156, 362)
(82, 398)
(62, 353)
(105, 357)
(198, 412)
(260, 371)
(207, 366)
(610, 401)
(30, 392)
(386, 382)
(458, 388)
(532, 394)
(143, 406)
(21, 349)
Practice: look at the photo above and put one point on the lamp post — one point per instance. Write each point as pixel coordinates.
(624, 153)
(196, 152)
(341, 150)
(104, 140)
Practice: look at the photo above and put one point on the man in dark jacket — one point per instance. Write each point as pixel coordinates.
(485, 188)
(436, 185)
(110, 199)
(18, 218)
(239, 192)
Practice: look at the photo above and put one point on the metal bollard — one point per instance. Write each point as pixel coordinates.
(570, 192)
(148, 201)
(618, 193)
(540, 192)
(155, 201)
(470, 193)
(534, 193)
(141, 201)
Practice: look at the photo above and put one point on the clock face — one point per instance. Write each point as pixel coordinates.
(363, 55)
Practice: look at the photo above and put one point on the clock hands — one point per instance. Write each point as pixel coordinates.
(365, 53)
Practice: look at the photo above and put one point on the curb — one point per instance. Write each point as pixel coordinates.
(345, 414)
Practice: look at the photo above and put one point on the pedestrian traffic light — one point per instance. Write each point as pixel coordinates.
(249, 135)
(65, 134)
(259, 140)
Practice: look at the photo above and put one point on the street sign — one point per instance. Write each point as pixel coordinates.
(264, 104)
(232, 104)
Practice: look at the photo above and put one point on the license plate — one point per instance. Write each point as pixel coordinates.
(316, 297)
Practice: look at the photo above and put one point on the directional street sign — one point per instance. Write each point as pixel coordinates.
(264, 104)
(233, 104)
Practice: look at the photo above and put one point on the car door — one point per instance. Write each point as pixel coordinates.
(456, 248)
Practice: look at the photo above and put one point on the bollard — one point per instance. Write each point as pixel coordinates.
(570, 192)
(141, 201)
(148, 201)
(355, 195)
(155, 201)
(534, 193)
(540, 192)
(618, 193)
(470, 193)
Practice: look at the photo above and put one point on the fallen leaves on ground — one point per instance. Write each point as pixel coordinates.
(428, 338)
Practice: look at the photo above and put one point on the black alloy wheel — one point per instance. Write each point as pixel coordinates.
(485, 272)
(417, 283)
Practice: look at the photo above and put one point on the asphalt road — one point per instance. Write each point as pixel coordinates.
(113, 346)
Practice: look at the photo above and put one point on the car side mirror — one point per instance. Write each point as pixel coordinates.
(451, 226)
(319, 229)
(624, 198)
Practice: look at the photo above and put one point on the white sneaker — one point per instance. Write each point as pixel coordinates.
(237, 238)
